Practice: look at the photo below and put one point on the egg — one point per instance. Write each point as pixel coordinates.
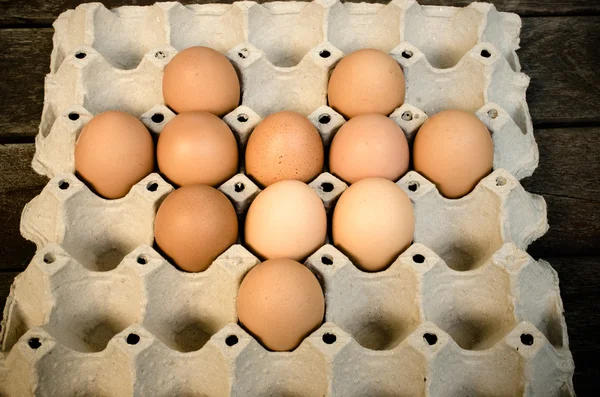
(194, 225)
(280, 302)
(366, 81)
(114, 152)
(286, 220)
(373, 222)
(200, 78)
(369, 145)
(454, 150)
(197, 148)
(285, 145)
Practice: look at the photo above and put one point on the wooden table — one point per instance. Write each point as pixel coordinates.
(560, 43)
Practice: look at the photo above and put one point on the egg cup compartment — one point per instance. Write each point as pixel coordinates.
(465, 232)
(267, 88)
(184, 310)
(302, 372)
(427, 360)
(357, 371)
(122, 36)
(95, 231)
(484, 83)
(55, 150)
(457, 30)
(83, 313)
(483, 75)
(478, 308)
(33, 361)
(378, 309)
(352, 26)
(476, 317)
(513, 366)
(163, 372)
(284, 32)
(87, 79)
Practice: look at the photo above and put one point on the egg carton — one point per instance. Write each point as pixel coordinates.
(463, 312)
(418, 328)
(453, 58)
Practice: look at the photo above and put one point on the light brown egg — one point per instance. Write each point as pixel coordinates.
(197, 147)
(280, 302)
(285, 145)
(286, 220)
(367, 146)
(114, 152)
(200, 78)
(454, 150)
(194, 225)
(366, 81)
(373, 223)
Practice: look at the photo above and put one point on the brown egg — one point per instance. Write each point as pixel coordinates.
(197, 148)
(200, 78)
(194, 225)
(286, 220)
(373, 222)
(369, 145)
(366, 81)
(285, 145)
(454, 150)
(114, 152)
(280, 302)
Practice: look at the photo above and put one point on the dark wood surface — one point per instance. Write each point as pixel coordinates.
(579, 291)
(43, 12)
(6, 279)
(18, 185)
(560, 51)
(24, 61)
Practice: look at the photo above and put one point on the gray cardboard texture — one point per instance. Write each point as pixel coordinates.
(464, 311)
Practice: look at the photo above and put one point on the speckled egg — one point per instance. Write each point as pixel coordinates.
(285, 145)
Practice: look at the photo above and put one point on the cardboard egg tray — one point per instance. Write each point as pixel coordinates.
(463, 312)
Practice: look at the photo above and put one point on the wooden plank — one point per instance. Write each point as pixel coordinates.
(568, 177)
(558, 53)
(569, 163)
(24, 62)
(6, 280)
(44, 12)
(561, 56)
(18, 185)
(574, 228)
(579, 280)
